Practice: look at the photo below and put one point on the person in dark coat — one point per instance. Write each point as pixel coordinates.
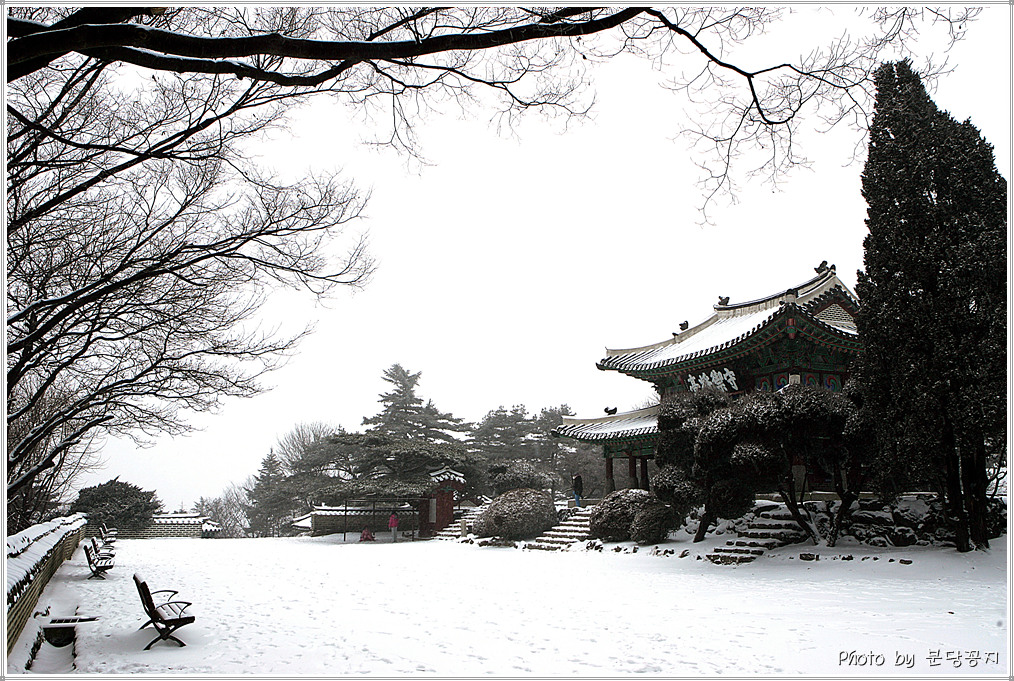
(578, 490)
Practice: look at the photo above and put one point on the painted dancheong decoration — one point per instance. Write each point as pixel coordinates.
(805, 334)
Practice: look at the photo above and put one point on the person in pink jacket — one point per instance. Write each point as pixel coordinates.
(392, 524)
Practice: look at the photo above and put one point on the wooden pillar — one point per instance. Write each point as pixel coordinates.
(644, 472)
(610, 482)
(632, 470)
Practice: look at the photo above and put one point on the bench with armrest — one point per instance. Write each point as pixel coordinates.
(103, 551)
(107, 537)
(166, 617)
(98, 564)
(111, 531)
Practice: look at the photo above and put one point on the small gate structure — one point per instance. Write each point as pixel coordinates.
(372, 513)
(424, 515)
(448, 487)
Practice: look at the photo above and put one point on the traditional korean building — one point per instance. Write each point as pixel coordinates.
(805, 334)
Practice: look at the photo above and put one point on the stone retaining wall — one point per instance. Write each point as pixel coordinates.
(32, 562)
(165, 525)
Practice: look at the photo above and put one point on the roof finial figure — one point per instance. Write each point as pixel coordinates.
(821, 268)
(683, 325)
(723, 300)
(610, 410)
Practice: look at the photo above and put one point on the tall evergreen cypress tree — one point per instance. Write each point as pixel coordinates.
(933, 315)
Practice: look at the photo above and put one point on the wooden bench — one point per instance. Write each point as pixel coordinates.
(166, 617)
(99, 564)
(104, 551)
(107, 537)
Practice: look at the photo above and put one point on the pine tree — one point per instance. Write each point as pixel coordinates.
(933, 315)
(505, 434)
(389, 466)
(404, 414)
(270, 505)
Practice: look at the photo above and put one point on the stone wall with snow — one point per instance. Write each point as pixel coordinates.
(192, 525)
(33, 556)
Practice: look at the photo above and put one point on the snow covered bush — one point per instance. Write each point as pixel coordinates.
(612, 517)
(119, 504)
(652, 522)
(517, 474)
(680, 416)
(682, 494)
(517, 514)
(730, 498)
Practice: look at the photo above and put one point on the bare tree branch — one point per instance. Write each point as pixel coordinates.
(141, 241)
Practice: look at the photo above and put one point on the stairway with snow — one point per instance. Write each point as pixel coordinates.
(772, 527)
(453, 531)
(572, 530)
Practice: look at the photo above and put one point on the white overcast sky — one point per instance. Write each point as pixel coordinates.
(510, 263)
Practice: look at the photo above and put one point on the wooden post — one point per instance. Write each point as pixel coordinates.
(644, 472)
(610, 481)
(632, 470)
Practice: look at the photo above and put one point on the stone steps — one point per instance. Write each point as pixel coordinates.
(772, 527)
(572, 530)
(453, 531)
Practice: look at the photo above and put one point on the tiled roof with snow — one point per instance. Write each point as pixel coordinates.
(179, 519)
(629, 424)
(447, 473)
(359, 510)
(733, 323)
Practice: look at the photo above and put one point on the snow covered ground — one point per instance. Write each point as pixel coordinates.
(321, 607)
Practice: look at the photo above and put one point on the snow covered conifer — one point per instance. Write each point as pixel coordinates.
(118, 504)
(270, 505)
(405, 415)
(933, 314)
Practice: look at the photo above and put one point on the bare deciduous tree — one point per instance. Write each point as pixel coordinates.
(140, 245)
(293, 447)
(39, 501)
(534, 57)
(141, 241)
(229, 509)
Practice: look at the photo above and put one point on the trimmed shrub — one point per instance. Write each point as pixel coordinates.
(612, 517)
(517, 474)
(517, 514)
(730, 499)
(652, 522)
(682, 494)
